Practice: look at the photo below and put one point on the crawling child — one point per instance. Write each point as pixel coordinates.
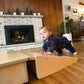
(52, 42)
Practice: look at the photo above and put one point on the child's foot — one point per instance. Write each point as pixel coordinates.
(75, 53)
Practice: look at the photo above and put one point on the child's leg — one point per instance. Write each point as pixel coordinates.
(59, 51)
(70, 48)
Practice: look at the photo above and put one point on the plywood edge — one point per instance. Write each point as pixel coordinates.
(11, 57)
(12, 62)
(46, 65)
(14, 74)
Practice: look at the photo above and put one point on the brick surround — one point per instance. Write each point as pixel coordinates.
(36, 21)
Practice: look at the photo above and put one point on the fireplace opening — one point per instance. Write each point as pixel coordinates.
(16, 34)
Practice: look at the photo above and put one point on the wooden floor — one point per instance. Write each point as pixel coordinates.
(73, 74)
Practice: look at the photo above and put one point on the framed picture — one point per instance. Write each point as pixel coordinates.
(74, 11)
(67, 8)
(82, 15)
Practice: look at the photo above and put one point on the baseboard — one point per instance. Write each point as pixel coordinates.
(82, 37)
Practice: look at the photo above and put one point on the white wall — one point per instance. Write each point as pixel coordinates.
(74, 4)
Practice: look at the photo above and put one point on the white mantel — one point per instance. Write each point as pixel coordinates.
(36, 21)
(22, 16)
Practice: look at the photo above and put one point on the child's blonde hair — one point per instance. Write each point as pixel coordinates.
(46, 28)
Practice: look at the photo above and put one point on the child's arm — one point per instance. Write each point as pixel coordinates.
(51, 48)
(44, 47)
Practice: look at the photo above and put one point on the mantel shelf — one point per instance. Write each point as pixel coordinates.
(22, 16)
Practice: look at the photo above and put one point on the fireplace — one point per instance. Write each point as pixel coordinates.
(16, 34)
(10, 24)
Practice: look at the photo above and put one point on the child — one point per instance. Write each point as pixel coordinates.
(54, 42)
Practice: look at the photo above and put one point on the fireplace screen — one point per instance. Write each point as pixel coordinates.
(16, 34)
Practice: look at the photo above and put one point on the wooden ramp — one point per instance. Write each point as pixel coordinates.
(46, 65)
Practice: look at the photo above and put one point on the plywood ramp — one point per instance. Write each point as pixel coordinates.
(46, 65)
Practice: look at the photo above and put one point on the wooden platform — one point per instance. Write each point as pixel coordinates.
(13, 68)
(48, 64)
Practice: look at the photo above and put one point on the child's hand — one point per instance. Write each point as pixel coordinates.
(42, 52)
(45, 53)
(48, 53)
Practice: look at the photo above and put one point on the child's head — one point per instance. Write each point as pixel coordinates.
(45, 32)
